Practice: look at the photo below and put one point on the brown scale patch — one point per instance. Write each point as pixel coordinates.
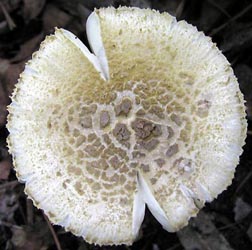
(111, 150)
(130, 187)
(58, 173)
(184, 165)
(89, 180)
(146, 103)
(164, 99)
(80, 140)
(91, 137)
(145, 167)
(76, 132)
(124, 107)
(175, 118)
(71, 140)
(140, 112)
(99, 164)
(124, 201)
(66, 128)
(105, 196)
(121, 132)
(179, 108)
(56, 109)
(106, 139)
(138, 154)
(65, 182)
(67, 151)
(149, 145)
(203, 108)
(169, 108)
(170, 132)
(93, 171)
(143, 128)
(122, 179)
(97, 142)
(74, 170)
(126, 144)
(122, 154)
(124, 169)
(80, 154)
(108, 151)
(93, 108)
(49, 124)
(157, 131)
(160, 162)
(133, 165)
(132, 173)
(51, 215)
(86, 122)
(104, 119)
(185, 135)
(114, 178)
(78, 188)
(153, 181)
(112, 200)
(86, 110)
(127, 85)
(138, 100)
(71, 110)
(115, 162)
(157, 110)
(92, 151)
(108, 185)
(172, 150)
(96, 186)
(109, 98)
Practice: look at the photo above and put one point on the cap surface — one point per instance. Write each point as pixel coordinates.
(153, 116)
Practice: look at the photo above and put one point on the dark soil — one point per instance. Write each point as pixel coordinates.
(225, 223)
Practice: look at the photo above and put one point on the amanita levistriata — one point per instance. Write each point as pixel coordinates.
(154, 116)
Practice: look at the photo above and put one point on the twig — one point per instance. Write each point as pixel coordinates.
(29, 211)
(240, 14)
(174, 247)
(217, 6)
(203, 234)
(243, 182)
(56, 240)
(249, 132)
(8, 18)
(7, 224)
(21, 210)
(228, 226)
(8, 184)
(180, 8)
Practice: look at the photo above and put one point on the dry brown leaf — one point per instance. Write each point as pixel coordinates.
(8, 205)
(27, 48)
(54, 17)
(249, 232)
(201, 233)
(244, 74)
(25, 239)
(10, 6)
(140, 3)
(11, 76)
(3, 104)
(242, 209)
(32, 8)
(5, 168)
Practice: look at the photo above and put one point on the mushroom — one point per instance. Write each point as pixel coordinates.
(153, 116)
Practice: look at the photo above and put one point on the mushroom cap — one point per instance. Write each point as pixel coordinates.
(154, 116)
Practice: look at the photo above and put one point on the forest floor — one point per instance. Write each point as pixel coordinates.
(224, 224)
